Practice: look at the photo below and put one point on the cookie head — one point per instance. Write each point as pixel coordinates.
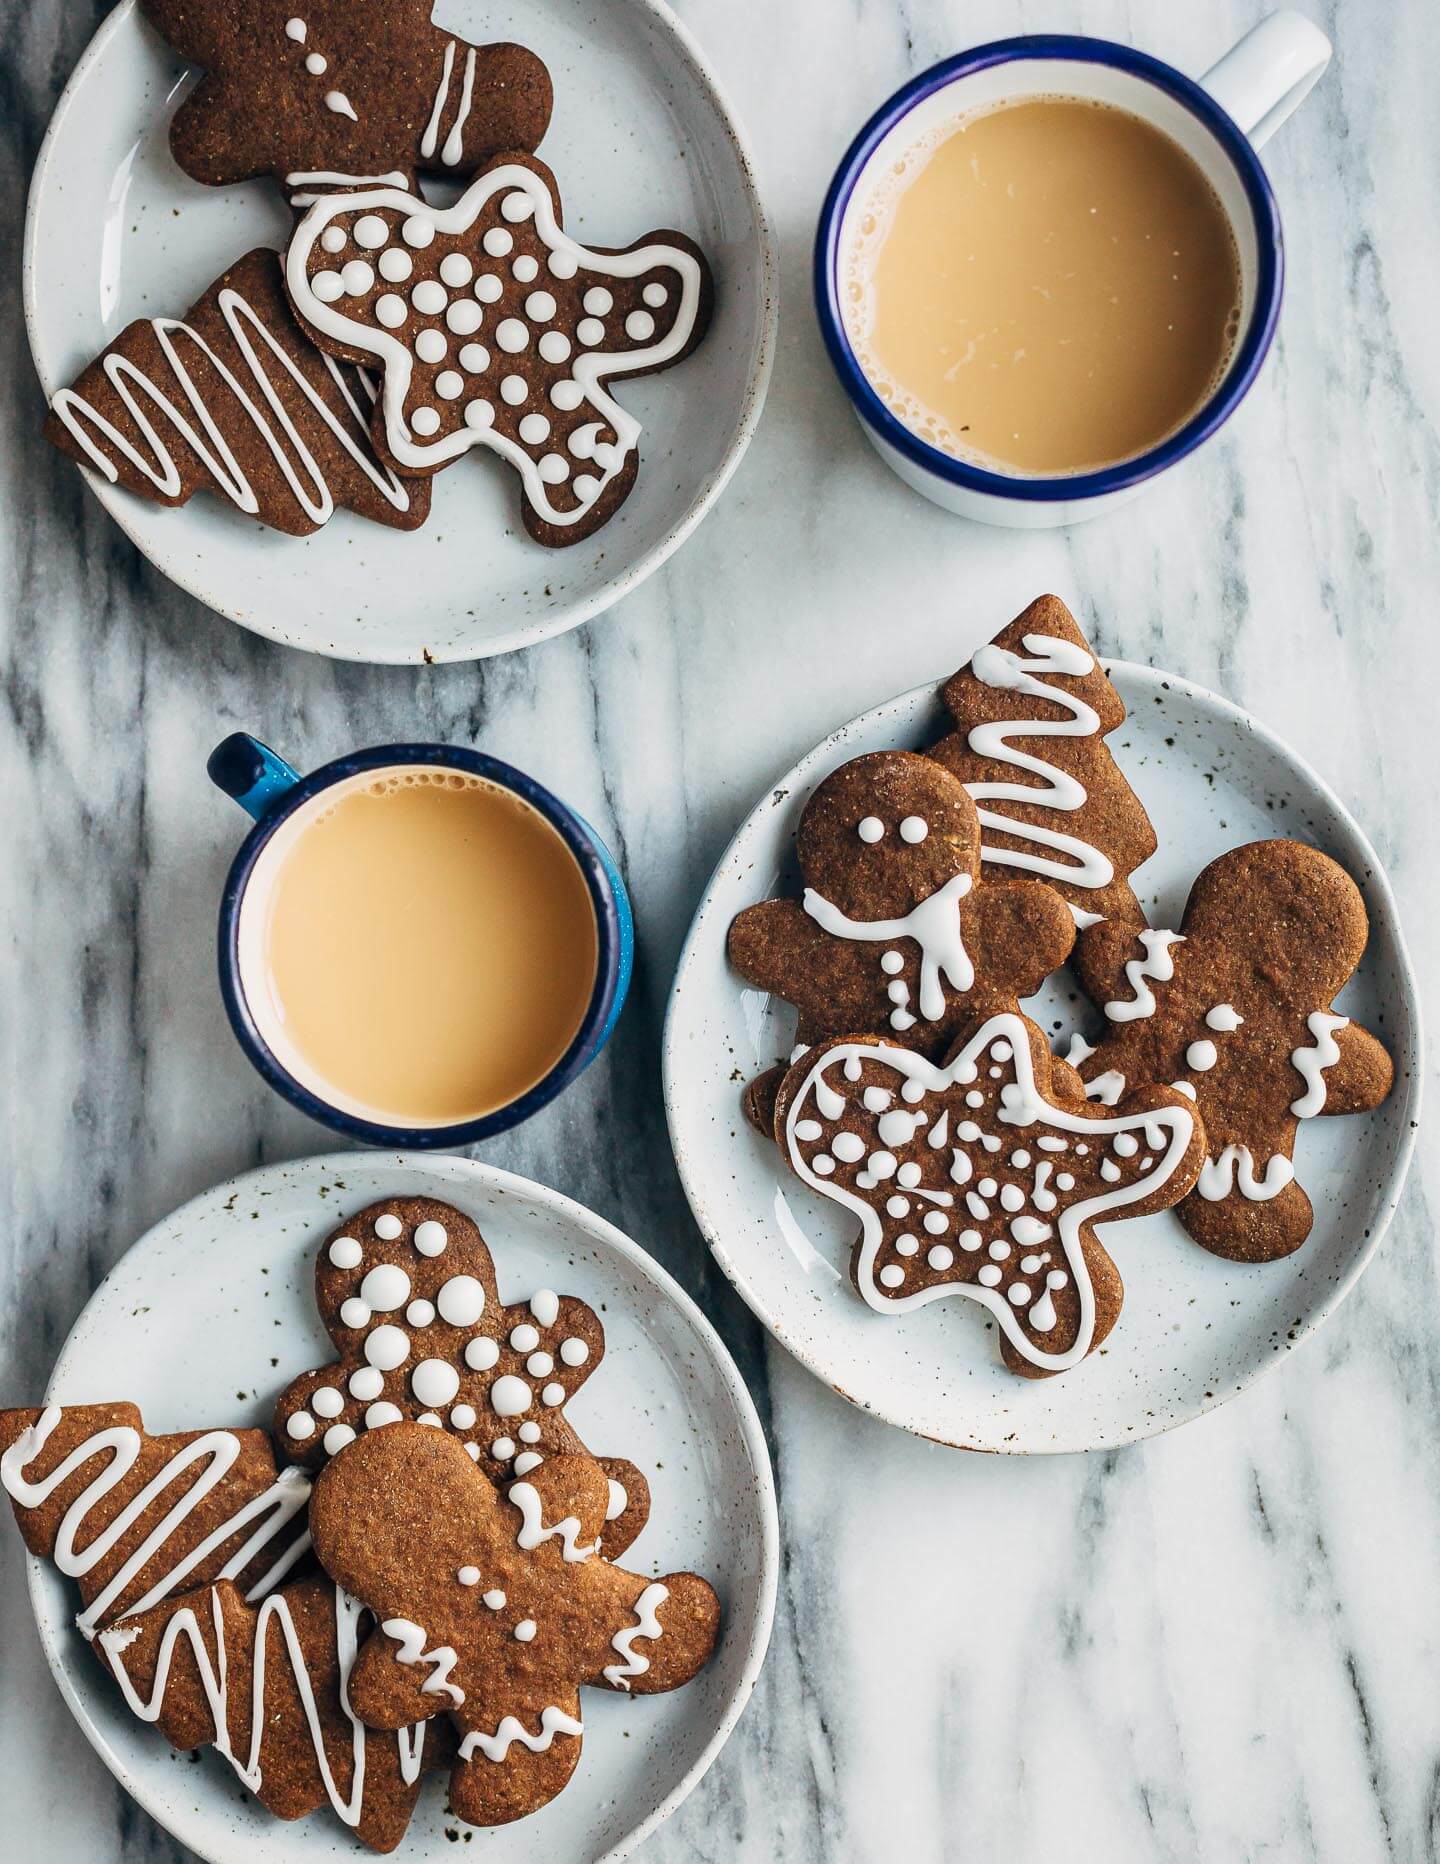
(886, 831)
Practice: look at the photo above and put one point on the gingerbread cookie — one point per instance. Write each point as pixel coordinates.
(1235, 1010)
(406, 1289)
(893, 931)
(495, 1610)
(493, 328)
(343, 90)
(268, 1686)
(974, 1177)
(1033, 709)
(135, 1518)
(234, 399)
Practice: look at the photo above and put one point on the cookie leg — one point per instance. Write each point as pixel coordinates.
(517, 1763)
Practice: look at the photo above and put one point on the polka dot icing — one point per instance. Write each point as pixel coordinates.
(514, 389)
(430, 1418)
(914, 829)
(554, 347)
(539, 1365)
(430, 346)
(354, 1313)
(526, 269)
(481, 1354)
(497, 242)
(371, 231)
(534, 430)
(516, 207)
(524, 1338)
(488, 288)
(420, 1313)
(325, 1401)
(300, 1425)
(502, 1449)
(391, 310)
(655, 295)
(388, 1227)
(461, 1300)
(356, 278)
(395, 265)
(525, 1630)
(590, 331)
(540, 307)
(464, 318)
(435, 1381)
(472, 1450)
(512, 335)
(429, 297)
(345, 1253)
(430, 1237)
(385, 1288)
(574, 1352)
(387, 1347)
(527, 1461)
(366, 1383)
(554, 469)
(333, 239)
(475, 358)
(381, 1414)
(598, 301)
(495, 1599)
(337, 1437)
(563, 264)
(553, 1394)
(449, 384)
(456, 269)
(509, 1396)
(468, 1575)
(425, 421)
(418, 230)
(463, 1417)
(327, 286)
(479, 414)
(567, 396)
(640, 326)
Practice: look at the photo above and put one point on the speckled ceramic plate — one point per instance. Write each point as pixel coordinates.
(1195, 1330)
(206, 1318)
(642, 137)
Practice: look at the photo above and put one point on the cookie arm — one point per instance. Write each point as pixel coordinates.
(1018, 932)
(1362, 1077)
(1100, 955)
(657, 1634)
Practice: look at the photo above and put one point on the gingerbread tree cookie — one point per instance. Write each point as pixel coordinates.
(974, 1177)
(342, 90)
(234, 399)
(492, 328)
(1235, 1010)
(893, 932)
(268, 1686)
(135, 1518)
(495, 1610)
(1034, 709)
(406, 1289)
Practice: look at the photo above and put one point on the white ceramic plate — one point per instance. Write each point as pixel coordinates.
(211, 1313)
(1195, 1330)
(642, 137)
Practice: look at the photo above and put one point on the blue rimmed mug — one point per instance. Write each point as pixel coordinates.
(1219, 120)
(276, 796)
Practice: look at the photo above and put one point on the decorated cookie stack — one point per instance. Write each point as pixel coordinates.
(391, 336)
(938, 890)
(427, 1583)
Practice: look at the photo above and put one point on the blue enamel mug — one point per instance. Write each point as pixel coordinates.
(1219, 120)
(284, 804)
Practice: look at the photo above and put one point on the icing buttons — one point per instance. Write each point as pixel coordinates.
(345, 1253)
(575, 1352)
(461, 1301)
(526, 1461)
(463, 1417)
(337, 1437)
(325, 1401)
(354, 1313)
(366, 1383)
(468, 1575)
(385, 1288)
(381, 1414)
(435, 1382)
(300, 1425)
(387, 1347)
(509, 1396)
(481, 1353)
(430, 346)
(524, 1338)
(420, 1313)
(388, 1227)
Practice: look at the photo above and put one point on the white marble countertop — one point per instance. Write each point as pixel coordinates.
(1222, 1645)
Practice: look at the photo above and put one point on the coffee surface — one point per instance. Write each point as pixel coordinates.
(1047, 287)
(430, 947)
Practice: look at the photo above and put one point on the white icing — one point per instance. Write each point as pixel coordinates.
(340, 104)
(524, 1338)
(525, 1631)
(646, 1625)
(345, 1253)
(935, 927)
(395, 265)
(1201, 1056)
(575, 1352)
(381, 1414)
(1157, 965)
(442, 1659)
(295, 29)
(430, 140)
(618, 1500)
(1084, 865)
(1168, 1129)
(481, 1353)
(385, 1288)
(914, 829)
(1106, 1088)
(435, 1382)
(461, 1300)
(217, 1450)
(202, 434)
(509, 1396)
(420, 1313)
(366, 1383)
(388, 1227)
(1311, 1062)
(387, 1347)
(300, 1425)
(454, 149)
(1224, 1017)
(337, 1437)
(1235, 1168)
(325, 1401)
(591, 371)
(526, 1461)
(495, 1747)
(526, 1498)
(468, 1575)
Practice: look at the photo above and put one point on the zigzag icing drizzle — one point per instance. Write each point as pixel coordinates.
(209, 443)
(647, 1625)
(214, 1681)
(1235, 1167)
(1085, 865)
(272, 1510)
(526, 1498)
(1156, 966)
(495, 1747)
(1311, 1062)
(442, 1660)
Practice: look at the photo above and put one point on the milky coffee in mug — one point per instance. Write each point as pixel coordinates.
(1044, 287)
(421, 945)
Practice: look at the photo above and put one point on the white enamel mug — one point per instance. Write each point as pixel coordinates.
(1220, 121)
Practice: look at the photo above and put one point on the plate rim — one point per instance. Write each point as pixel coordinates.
(50, 1630)
(120, 506)
(1380, 902)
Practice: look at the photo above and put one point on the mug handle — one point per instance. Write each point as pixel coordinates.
(1269, 73)
(250, 772)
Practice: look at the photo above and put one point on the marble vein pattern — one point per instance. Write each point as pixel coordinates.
(1223, 1645)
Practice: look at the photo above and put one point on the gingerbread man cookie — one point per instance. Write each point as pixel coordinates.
(233, 398)
(268, 1686)
(135, 1518)
(406, 1289)
(494, 329)
(893, 931)
(975, 1177)
(1034, 708)
(338, 91)
(1235, 1010)
(495, 1610)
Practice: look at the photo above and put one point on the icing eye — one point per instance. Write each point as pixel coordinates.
(870, 828)
(914, 829)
